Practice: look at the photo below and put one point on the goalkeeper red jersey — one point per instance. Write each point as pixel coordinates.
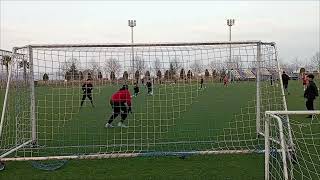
(122, 96)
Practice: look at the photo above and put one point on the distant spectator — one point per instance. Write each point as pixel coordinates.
(285, 81)
(310, 93)
(225, 80)
(304, 81)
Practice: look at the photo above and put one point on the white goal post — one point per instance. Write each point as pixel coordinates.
(292, 153)
(41, 119)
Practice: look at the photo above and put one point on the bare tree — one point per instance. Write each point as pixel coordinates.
(112, 65)
(175, 65)
(69, 65)
(72, 73)
(95, 68)
(213, 66)
(295, 64)
(237, 63)
(139, 64)
(197, 67)
(157, 65)
(285, 66)
(316, 60)
(6, 60)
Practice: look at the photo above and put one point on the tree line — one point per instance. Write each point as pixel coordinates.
(112, 69)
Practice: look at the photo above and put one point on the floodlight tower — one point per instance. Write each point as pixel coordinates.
(230, 23)
(132, 24)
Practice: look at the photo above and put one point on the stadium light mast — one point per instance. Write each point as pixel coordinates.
(132, 24)
(230, 23)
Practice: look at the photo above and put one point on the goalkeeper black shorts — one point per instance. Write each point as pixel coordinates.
(118, 107)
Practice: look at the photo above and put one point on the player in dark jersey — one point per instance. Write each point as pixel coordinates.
(201, 83)
(311, 93)
(87, 88)
(285, 81)
(136, 90)
(149, 87)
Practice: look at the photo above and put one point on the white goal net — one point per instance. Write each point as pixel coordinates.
(292, 145)
(43, 117)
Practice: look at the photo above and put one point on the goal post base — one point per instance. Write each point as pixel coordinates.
(129, 155)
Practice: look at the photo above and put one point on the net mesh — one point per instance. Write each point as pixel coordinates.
(180, 115)
(302, 158)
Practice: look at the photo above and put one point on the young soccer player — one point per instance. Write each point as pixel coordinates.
(310, 93)
(87, 88)
(121, 105)
(285, 81)
(271, 80)
(201, 83)
(225, 80)
(135, 90)
(149, 87)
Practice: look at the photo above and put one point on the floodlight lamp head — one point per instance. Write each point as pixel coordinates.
(230, 22)
(131, 23)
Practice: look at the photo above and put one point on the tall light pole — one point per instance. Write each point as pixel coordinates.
(230, 23)
(132, 23)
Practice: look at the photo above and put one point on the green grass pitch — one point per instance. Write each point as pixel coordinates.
(193, 119)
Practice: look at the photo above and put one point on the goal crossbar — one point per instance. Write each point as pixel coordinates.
(145, 44)
(292, 112)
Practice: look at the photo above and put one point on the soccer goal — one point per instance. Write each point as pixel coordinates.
(207, 98)
(292, 147)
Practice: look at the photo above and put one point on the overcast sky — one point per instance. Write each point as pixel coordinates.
(294, 26)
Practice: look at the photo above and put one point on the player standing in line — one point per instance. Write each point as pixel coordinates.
(149, 87)
(121, 105)
(310, 93)
(87, 88)
(136, 90)
(201, 83)
(225, 80)
(285, 81)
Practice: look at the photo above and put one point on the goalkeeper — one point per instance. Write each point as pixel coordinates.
(121, 105)
(87, 88)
